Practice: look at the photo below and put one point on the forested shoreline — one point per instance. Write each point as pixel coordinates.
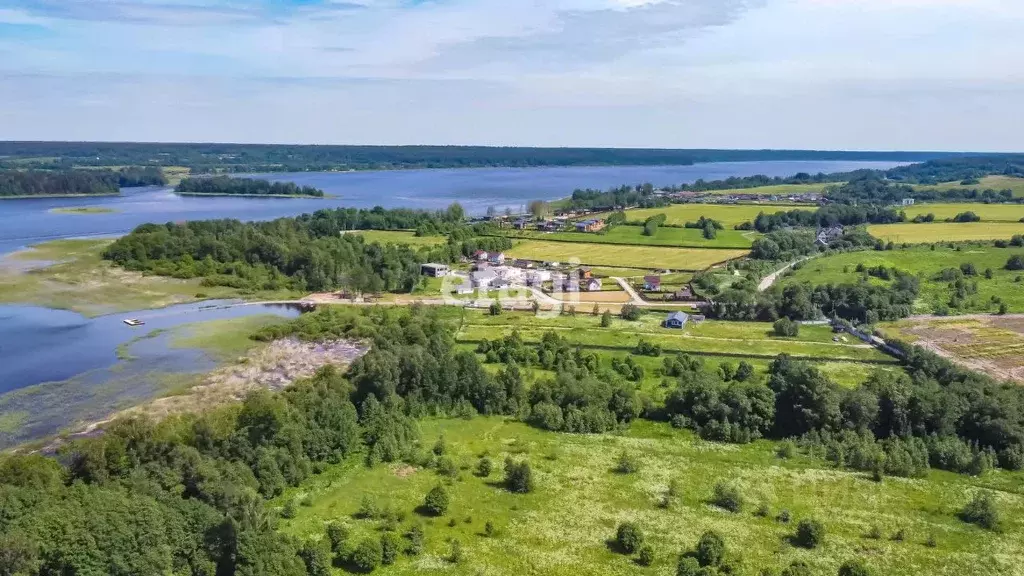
(15, 183)
(225, 186)
(309, 252)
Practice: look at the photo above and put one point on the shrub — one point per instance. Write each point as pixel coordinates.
(415, 538)
(446, 467)
(484, 467)
(388, 548)
(728, 496)
(646, 555)
(630, 312)
(809, 533)
(930, 541)
(627, 463)
(337, 535)
(606, 319)
(455, 554)
(289, 510)
(495, 308)
(785, 449)
(710, 549)
(688, 566)
(854, 568)
(629, 537)
(1015, 263)
(518, 476)
(440, 447)
(783, 517)
(981, 510)
(436, 501)
(875, 533)
(489, 529)
(367, 508)
(316, 559)
(367, 555)
(786, 327)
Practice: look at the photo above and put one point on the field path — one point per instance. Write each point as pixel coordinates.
(636, 299)
(770, 279)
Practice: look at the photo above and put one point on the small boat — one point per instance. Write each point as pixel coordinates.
(134, 322)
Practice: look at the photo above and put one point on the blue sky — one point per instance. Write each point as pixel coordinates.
(851, 74)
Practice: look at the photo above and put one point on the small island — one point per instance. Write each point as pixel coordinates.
(82, 210)
(226, 186)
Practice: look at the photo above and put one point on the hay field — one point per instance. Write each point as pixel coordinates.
(626, 256)
(945, 232)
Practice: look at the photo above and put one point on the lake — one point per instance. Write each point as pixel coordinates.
(29, 221)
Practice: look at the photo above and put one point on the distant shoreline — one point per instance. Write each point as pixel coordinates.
(30, 196)
(324, 197)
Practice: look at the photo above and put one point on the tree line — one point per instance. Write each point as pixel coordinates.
(311, 252)
(75, 182)
(223, 185)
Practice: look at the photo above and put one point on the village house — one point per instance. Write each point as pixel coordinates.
(538, 277)
(524, 264)
(482, 278)
(828, 235)
(592, 285)
(585, 273)
(435, 270)
(652, 283)
(549, 226)
(684, 293)
(590, 225)
(676, 320)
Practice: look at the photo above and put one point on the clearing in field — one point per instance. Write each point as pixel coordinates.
(691, 259)
(728, 214)
(990, 344)
(988, 182)
(663, 236)
(936, 293)
(987, 212)
(563, 527)
(909, 233)
(399, 237)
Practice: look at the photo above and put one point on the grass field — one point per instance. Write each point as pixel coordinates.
(713, 338)
(692, 259)
(82, 210)
(927, 263)
(988, 182)
(909, 233)
(987, 212)
(561, 528)
(663, 236)
(225, 339)
(993, 344)
(728, 214)
(399, 237)
(72, 275)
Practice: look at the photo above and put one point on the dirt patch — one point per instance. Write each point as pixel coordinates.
(273, 367)
(405, 471)
(992, 345)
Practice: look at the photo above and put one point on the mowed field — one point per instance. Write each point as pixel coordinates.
(909, 233)
(663, 236)
(987, 212)
(728, 214)
(399, 237)
(626, 256)
(563, 526)
(990, 344)
(988, 182)
(927, 264)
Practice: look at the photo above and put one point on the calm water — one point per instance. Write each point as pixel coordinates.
(24, 222)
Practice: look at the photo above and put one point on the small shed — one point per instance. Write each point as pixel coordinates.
(676, 320)
(652, 283)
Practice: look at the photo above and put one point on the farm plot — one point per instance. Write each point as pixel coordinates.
(728, 214)
(663, 236)
(990, 344)
(691, 259)
(777, 190)
(988, 182)
(987, 212)
(909, 233)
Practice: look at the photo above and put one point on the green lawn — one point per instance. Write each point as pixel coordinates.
(399, 237)
(562, 527)
(225, 339)
(712, 337)
(987, 212)
(663, 236)
(692, 259)
(988, 182)
(728, 214)
(910, 233)
(927, 263)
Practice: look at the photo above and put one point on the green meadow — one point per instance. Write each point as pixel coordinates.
(663, 236)
(626, 256)
(988, 182)
(900, 527)
(399, 237)
(987, 212)
(910, 233)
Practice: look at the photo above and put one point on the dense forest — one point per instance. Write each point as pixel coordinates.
(641, 196)
(235, 158)
(223, 185)
(965, 168)
(309, 252)
(188, 495)
(75, 182)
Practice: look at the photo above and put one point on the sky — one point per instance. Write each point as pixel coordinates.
(822, 74)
